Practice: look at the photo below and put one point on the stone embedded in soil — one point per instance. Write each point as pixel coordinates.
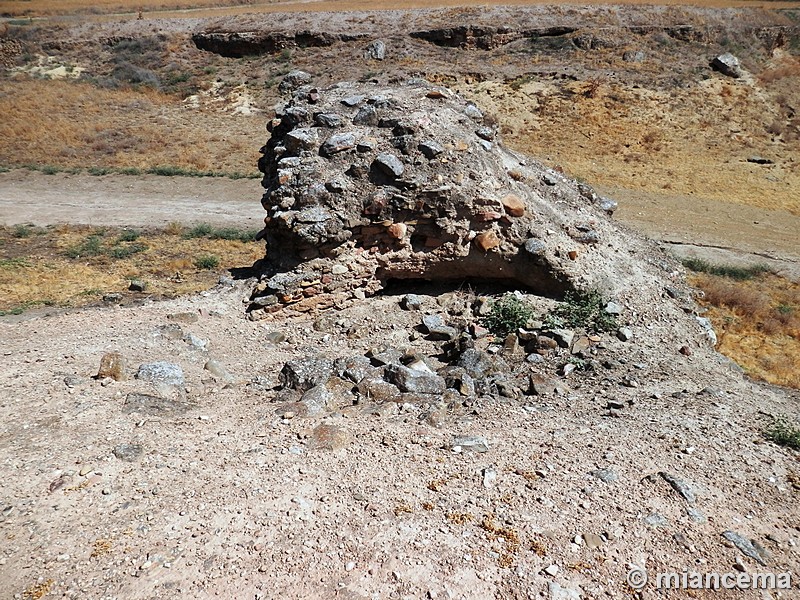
(680, 486)
(416, 381)
(749, 548)
(128, 452)
(329, 437)
(112, 365)
(153, 405)
(389, 164)
(470, 443)
(161, 372)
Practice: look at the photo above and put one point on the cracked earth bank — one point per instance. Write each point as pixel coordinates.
(228, 473)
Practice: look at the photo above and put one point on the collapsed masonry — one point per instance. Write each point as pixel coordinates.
(367, 184)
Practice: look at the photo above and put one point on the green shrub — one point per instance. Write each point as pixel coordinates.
(783, 433)
(127, 251)
(22, 231)
(582, 309)
(507, 315)
(206, 261)
(129, 235)
(698, 265)
(204, 230)
(91, 246)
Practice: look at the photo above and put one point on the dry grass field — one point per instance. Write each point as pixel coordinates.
(70, 266)
(757, 323)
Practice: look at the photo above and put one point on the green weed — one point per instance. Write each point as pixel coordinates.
(206, 261)
(582, 309)
(507, 315)
(698, 265)
(783, 433)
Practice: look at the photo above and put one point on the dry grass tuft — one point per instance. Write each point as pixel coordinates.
(757, 323)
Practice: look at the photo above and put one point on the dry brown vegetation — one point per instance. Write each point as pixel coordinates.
(757, 323)
(69, 266)
(140, 128)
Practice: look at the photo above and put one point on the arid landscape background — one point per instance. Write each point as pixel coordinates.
(128, 174)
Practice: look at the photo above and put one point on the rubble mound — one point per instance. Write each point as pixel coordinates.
(366, 184)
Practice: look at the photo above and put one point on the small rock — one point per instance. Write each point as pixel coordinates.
(376, 50)
(337, 143)
(476, 363)
(416, 380)
(470, 443)
(161, 372)
(112, 365)
(727, 64)
(513, 205)
(552, 570)
(613, 308)
(194, 341)
(680, 486)
(137, 285)
(329, 437)
(561, 593)
(685, 350)
(293, 80)
(430, 149)
(605, 475)
(624, 334)
(485, 133)
(353, 100)
(633, 56)
(473, 112)
(411, 302)
(487, 240)
(328, 120)
(749, 548)
(389, 164)
(489, 477)
(366, 116)
(655, 520)
(317, 400)
(696, 516)
(535, 247)
(127, 452)
(275, 337)
(592, 540)
(113, 298)
(301, 139)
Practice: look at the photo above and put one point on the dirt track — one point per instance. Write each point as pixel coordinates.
(728, 233)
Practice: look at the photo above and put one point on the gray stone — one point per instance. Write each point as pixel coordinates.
(152, 405)
(473, 112)
(727, 64)
(607, 205)
(301, 139)
(218, 370)
(353, 100)
(535, 247)
(749, 548)
(275, 337)
(680, 486)
(367, 116)
(411, 302)
(534, 358)
(305, 373)
(389, 164)
(416, 380)
(293, 80)
(376, 389)
(624, 334)
(696, 516)
(476, 363)
(137, 285)
(161, 372)
(338, 142)
(354, 368)
(113, 298)
(563, 337)
(613, 308)
(485, 133)
(708, 330)
(268, 300)
(128, 452)
(385, 356)
(376, 50)
(605, 475)
(633, 56)
(328, 120)
(194, 341)
(317, 400)
(470, 443)
(655, 520)
(430, 148)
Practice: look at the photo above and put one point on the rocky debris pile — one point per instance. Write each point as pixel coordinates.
(367, 184)
(10, 49)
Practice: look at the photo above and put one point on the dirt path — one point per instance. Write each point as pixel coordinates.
(147, 200)
(719, 232)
